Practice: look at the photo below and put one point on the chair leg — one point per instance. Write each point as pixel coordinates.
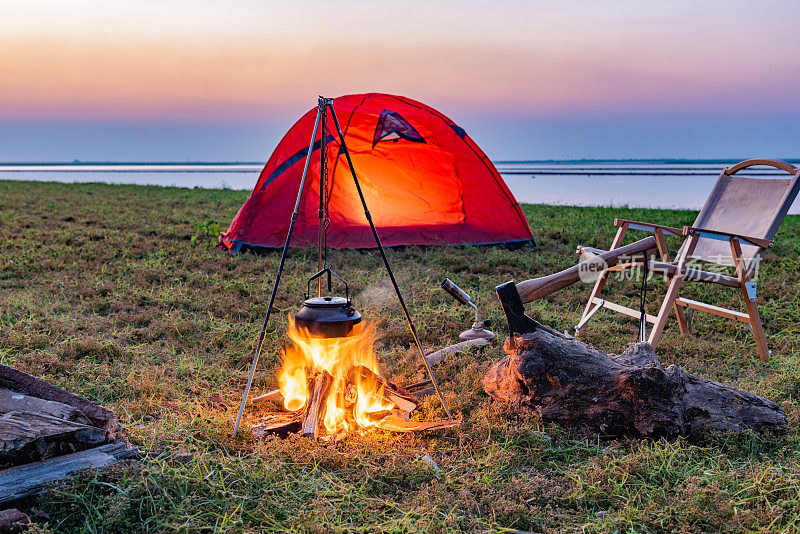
(758, 329)
(601, 281)
(662, 250)
(666, 307)
(752, 309)
(682, 323)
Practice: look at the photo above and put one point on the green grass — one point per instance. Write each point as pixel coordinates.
(103, 292)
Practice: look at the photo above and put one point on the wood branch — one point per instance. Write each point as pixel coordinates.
(393, 423)
(12, 521)
(586, 390)
(280, 423)
(315, 414)
(26, 384)
(361, 374)
(538, 288)
(418, 385)
(275, 396)
(24, 480)
(437, 357)
(30, 436)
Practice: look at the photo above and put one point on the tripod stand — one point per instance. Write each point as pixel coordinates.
(325, 105)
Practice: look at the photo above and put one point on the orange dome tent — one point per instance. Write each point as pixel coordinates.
(424, 180)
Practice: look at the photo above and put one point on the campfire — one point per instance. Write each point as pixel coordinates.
(331, 386)
(329, 382)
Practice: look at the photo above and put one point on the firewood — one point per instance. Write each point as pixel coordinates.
(280, 423)
(25, 480)
(394, 423)
(315, 414)
(12, 401)
(275, 396)
(418, 385)
(403, 401)
(26, 384)
(586, 390)
(29, 436)
(437, 357)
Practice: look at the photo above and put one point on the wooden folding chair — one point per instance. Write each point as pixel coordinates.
(734, 228)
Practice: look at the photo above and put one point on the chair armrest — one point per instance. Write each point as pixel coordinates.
(727, 236)
(649, 227)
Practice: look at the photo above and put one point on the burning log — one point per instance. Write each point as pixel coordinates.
(315, 413)
(281, 423)
(584, 389)
(330, 386)
(404, 401)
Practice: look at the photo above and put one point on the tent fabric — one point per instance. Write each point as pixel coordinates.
(425, 182)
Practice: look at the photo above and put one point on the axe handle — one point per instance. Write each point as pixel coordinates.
(537, 288)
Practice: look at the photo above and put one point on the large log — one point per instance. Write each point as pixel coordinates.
(586, 390)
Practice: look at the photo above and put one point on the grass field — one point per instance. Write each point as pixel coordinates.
(103, 292)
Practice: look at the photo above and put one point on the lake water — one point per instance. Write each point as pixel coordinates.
(641, 184)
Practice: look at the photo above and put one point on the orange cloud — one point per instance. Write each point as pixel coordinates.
(241, 79)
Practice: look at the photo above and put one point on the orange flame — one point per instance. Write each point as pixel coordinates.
(308, 354)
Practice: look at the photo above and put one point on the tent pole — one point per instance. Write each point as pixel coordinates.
(280, 269)
(329, 103)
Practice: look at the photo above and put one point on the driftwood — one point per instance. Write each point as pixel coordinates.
(437, 357)
(24, 480)
(584, 389)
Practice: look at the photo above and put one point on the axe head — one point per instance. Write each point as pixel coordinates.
(518, 322)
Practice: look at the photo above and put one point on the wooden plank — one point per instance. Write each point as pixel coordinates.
(437, 357)
(624, 309)
(716, 310)
(25, 480)
(26, 384)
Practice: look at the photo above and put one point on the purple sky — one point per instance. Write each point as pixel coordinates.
(212, 80)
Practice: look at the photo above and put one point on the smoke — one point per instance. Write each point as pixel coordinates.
(377, 297)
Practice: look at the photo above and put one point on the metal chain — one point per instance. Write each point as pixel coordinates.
(325, 186)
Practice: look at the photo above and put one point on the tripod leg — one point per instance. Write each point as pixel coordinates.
(278, 274)
(385, 259)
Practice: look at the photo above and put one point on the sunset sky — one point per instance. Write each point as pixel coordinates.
(214, 80)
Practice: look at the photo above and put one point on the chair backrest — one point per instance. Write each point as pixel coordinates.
(748, 206)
